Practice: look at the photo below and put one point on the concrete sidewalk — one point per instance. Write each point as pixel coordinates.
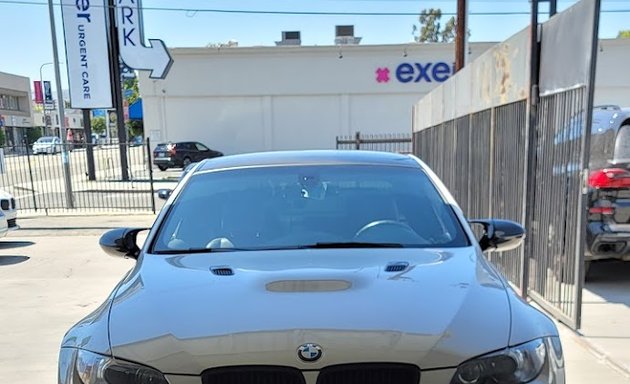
(601, 352)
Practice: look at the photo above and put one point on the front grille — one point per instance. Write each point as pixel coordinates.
(253, 375)
(4, 204)
(12, 223)
(370, 373)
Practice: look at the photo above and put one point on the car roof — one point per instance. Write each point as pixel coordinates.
(309, 157)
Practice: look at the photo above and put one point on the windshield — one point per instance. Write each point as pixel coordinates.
(309, 206)
(45, 140)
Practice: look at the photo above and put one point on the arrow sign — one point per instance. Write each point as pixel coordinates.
(154, 57)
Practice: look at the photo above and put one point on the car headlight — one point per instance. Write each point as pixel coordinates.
(521, 364)
(77, 366)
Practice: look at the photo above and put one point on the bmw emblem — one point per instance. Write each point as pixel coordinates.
(309, 352)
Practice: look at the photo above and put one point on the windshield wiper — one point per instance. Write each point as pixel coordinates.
(350, 244)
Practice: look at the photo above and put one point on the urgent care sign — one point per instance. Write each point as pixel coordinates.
(87, 53)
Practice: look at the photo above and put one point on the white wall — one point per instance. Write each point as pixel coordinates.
(275, 98)
(612, 83)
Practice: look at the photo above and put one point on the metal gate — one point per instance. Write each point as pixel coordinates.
(522, 152)
(34, 175)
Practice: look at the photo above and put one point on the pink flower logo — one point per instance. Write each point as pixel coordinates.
(382, 75)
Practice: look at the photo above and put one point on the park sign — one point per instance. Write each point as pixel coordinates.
(133, 51)
(87, 53)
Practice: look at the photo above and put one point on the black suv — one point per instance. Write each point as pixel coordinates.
(181, 154)
(608, 226)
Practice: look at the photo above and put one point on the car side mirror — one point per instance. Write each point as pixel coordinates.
(500, 235)
(164, 194)
(121, 242)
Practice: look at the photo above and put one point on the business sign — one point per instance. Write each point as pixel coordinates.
(135, 54)
(48, 98)
(427, 72)
(39, 93)
(99, 113)
(87, 53)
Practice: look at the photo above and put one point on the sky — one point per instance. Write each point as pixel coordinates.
(25, 35)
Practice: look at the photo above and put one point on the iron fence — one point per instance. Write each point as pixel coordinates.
(555, 245)
(392, 142)
(37, 179)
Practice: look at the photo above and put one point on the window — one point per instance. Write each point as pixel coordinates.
(201, 147)
(9, 103)
(297, 206)
(622, 144)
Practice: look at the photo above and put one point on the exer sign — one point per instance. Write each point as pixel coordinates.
(87, 54)
(134, 53)
(426, 72)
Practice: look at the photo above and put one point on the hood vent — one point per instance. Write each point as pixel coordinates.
(397, 266)
(222, 271)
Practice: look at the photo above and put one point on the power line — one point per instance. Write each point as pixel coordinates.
(303, 13)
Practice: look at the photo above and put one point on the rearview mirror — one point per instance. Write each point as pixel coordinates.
(121, 242)
(164, 194)
(500, 235)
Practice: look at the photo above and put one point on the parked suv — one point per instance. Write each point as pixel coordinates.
(181, 154)
(608, 226)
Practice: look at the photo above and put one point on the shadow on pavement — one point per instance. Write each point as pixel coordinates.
(11, 260)
(15, 244)
(610, 280)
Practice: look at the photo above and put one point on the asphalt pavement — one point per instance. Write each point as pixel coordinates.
(53, 273)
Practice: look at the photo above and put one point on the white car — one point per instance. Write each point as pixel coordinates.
(9, 209)
(47, 144)
(313, 267)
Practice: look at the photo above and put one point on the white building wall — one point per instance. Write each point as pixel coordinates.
(612, 82)
(278, 98)
(274, 98)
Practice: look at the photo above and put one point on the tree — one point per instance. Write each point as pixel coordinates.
(98, 125)
(624, 34)
(132, 84)
(431, 30)
(135, 128)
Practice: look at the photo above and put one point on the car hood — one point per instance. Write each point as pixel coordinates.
(174, 314)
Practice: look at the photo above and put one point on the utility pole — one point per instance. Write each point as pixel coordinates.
(62, 118)
(89, 147)
(114, 62)
(460, 35)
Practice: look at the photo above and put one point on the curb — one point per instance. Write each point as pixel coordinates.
(588, 345)
(596, 351)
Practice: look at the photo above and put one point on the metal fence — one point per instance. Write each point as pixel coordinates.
(393, 142)
(40, 184)
(526, 137)
(480, 158)
(555, 243)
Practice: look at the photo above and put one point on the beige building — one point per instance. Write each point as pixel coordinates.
(15, 107)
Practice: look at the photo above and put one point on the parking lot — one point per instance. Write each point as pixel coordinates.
(53, 273)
